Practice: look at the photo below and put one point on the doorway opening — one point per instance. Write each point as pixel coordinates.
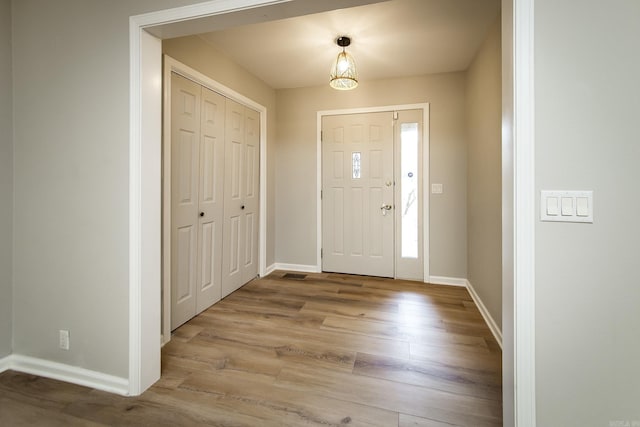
(518, 191)
(373, 199)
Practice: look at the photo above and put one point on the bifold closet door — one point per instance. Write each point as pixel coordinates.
(239, 260)
(251, 194)
(197, 175)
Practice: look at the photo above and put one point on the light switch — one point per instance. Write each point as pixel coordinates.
(552, 206)
(567, 206)
(436, 188)
(582, 206)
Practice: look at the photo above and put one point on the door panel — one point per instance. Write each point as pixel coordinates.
(233, 240)
(358, 236)
(251, 199)
(184, 264)
(185, 118)
(211, 176)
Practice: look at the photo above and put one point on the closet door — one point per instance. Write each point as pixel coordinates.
(197, 197)
(211, 200)
(251, 189)
(185, 138)
(234, 220)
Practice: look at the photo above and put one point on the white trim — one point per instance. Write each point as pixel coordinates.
(488, 319)
(425, 172)
(172, 65)
(200, 10)
(269, 270)
(135, 208)
(524, 215)
(426, 193)
(5, 363)
(296, 267)
(449, 281)
(67, 373)
(144, 217)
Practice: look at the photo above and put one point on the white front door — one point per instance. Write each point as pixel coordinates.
(358, 194)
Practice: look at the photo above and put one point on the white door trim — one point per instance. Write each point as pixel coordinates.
(524, 213)
(172, 65)
(141, 316)
(425, 174)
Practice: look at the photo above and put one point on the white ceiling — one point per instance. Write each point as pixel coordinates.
(394, 38)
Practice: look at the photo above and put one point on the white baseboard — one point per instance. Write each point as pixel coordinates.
(297, 267)
(455, 281)
(270, 269)
(5, 363)
(451, 281)
(493, 326)
(67, 373)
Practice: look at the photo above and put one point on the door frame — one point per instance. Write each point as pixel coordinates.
(175, 66)
(425, 174)
(519, 197)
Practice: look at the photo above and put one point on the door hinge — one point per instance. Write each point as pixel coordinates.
(395, 115)
(321, 253)
(320, 194)
(321, 136)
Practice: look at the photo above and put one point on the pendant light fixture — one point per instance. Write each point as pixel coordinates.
(343, 73)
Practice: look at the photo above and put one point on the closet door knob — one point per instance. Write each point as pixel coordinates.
(201, 213)
(242, 207)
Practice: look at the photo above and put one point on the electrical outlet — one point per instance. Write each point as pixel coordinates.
(64, 339)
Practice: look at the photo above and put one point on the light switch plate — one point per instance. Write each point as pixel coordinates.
(575, 206)
(436, 188)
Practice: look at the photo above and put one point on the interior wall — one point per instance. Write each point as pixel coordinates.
(296, 161)
(484, 173)
(587, 138)
(6, 179)
(71, 179)
(205, 58)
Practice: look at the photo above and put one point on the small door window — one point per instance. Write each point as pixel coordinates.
(355, 165)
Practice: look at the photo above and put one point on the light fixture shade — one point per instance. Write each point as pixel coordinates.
(343, 72)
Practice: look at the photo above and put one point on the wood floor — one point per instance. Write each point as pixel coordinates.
(326, 350)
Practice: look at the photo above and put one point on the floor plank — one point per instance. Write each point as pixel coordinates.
(325, 350)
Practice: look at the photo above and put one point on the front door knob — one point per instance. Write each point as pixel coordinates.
(201, 213)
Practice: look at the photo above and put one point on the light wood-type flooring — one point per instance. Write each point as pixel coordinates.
(326, 350)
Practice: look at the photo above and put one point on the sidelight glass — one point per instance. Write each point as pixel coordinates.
(409, 189)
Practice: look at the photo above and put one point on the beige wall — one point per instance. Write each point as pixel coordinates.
(587, 92)
(198, 54)
(296, 163)
(71, 179)
(484, 193)
(6, 179)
